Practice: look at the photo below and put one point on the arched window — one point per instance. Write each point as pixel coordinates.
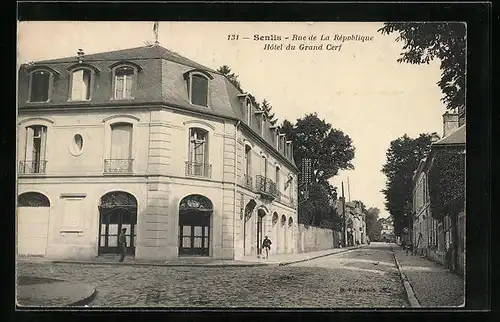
(40, 85)
(275, 218)
(248, 166)
(34, 150)
(290, 222)
(198, 89)
(124, 77)
(32, 199)
(283, 220)
(81, 84)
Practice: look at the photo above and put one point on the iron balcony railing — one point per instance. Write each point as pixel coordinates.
(265, 186)
(118, 165)
(247, 181)
(198, 169)
(32, 166)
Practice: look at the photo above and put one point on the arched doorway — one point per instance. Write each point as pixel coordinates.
(261, 213)
(32, 223)
(117, 210)
(289, 242)
(283, 235)
(275, 226)
(195, 212)
(247, 231)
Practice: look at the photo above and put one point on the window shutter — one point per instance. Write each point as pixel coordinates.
(121, 139)
(43, 142)
(77, 88)
(86, 84)
(29, 144)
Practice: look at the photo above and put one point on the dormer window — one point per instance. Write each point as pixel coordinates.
(40, 86)
(81, 81)
(123, 82)
(198, 91)
(249, 111)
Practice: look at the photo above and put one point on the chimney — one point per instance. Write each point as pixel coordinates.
(80, 55)
(450, 123)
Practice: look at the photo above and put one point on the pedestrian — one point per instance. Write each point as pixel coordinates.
(122, 244)
(266, 244)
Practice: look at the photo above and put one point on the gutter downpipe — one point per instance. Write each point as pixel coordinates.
(235, 173)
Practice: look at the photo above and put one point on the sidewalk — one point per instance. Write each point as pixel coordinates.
(46, 292)
(432, 284)
(246, 261)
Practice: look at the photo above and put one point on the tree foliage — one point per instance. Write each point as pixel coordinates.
(446, 41)
(373, 227)
(330, 150)
(403, 157)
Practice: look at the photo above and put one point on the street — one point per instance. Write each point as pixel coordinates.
(365, 277)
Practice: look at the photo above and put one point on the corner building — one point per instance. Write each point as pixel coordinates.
(146, 139)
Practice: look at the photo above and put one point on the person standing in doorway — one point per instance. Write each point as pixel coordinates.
(122, 244)
(266, 244)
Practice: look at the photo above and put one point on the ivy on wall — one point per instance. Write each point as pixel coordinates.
(446, 178)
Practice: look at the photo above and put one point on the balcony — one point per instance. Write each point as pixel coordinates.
(248, 182)
(118, 166)
(202, 170)
(266, 187)
(32, 167)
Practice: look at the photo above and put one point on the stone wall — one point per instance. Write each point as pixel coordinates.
(314, 238)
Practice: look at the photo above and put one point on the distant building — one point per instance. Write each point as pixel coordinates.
(439, 197)
(355, 221)
(148, 140)
(387, 231)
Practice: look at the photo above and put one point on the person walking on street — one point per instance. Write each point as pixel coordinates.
(266, 244)
(122, 244)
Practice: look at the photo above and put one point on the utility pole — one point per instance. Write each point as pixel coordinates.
(343, 217)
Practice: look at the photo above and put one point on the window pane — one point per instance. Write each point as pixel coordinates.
(119, 86)
(77, 86)
(186, 230)
(113, 229)
(205, 242)
(103, 241)
(40, 86)
(198, 230)
(113, 241)
(206, 230)
(197, 242)
(186, 242)
(128, 86)
(199, 90)
(124, 71)
(103, 229)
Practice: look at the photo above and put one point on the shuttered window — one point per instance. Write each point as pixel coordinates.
(80, 90)
(199, 90)
(124, 79)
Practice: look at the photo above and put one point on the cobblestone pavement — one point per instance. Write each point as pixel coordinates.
(434, 285)
(365, 277)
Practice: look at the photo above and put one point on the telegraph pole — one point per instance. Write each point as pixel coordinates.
(343, 216)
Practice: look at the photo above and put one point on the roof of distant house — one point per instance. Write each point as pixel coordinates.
(457, 137)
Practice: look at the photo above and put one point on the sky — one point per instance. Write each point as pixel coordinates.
(360, 89)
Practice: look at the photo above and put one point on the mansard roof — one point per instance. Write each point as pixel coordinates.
(144, 52)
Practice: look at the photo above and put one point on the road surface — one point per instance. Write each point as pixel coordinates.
(365, 277)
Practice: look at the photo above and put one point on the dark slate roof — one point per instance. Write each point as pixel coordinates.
(457, 137)
(144, 52)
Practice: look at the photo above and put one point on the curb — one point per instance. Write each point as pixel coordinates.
(410, 294)
(85, 300)
(311, 258)
(195, 265)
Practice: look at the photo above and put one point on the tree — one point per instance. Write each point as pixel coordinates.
(232, 77)
(329, 150)
(446, 41)
(403, 157)
(373, 227)
(266, 106)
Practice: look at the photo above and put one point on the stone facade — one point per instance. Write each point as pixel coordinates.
(79, 164)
